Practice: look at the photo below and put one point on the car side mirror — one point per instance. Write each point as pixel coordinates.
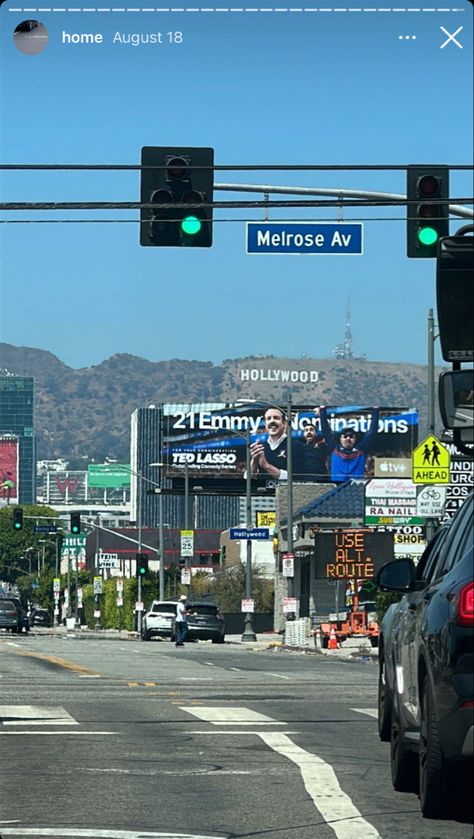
(456, 400)
(398, 575)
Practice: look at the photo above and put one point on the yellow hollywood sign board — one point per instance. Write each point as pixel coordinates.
(431, 462)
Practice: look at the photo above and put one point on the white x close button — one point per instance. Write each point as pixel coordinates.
(451, 37)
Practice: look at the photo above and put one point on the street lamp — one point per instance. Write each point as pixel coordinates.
(142, 478)
(161, 547)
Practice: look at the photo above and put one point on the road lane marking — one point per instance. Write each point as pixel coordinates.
(52, 733)
(84, 833)
(60, 662)
(196, 678)
(279, 676)
(372, 712)
(230, 716)
(35, 715)
(319, 778)
(237, 669)
(233, 733)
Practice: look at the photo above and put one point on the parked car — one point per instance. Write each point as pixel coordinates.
(205, 623)
(8, 615)
(157, 622)
(23, 620)
(426, 684)
(40, 617)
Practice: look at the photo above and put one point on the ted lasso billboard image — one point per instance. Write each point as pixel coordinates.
(329, 444)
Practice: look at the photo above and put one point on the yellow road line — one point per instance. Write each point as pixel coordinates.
(60, 662)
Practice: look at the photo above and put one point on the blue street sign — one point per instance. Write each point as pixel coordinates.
(45, 528)
(329, 238)
(255, 533)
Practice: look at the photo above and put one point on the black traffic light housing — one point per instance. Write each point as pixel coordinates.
(75, 524)
(427, 209)
(455, 296)
(141, 565)
(181, 176)
(17, 520)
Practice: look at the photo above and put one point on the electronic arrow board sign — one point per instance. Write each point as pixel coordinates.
(358, 554)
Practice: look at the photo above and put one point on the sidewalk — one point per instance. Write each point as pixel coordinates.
(352, 648)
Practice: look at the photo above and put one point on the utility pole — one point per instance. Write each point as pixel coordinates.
(430, 530)
(186, 516)
(139, 522)
(248, 634)
(97, 549)
(289, 467)
(161, 548)
(431, 373)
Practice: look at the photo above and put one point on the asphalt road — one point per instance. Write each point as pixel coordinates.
(125, 740)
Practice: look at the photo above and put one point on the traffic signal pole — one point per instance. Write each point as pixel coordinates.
(139, 523)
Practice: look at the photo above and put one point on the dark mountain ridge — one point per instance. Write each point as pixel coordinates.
(85, 413)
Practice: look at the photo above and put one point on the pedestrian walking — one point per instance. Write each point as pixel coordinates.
(181, 621)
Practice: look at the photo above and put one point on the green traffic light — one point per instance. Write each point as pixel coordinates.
(17, 525)
(427, 236)
(191, 225)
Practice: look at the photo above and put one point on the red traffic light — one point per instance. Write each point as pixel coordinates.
(177, 168)
(428, 185)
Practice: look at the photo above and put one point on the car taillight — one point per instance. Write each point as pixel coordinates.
(465, 614)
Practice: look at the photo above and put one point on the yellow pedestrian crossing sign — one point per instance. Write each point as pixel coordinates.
(431, 462)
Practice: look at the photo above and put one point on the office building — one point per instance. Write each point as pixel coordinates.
(17, 398)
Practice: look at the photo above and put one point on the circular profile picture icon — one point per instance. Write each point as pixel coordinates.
(30, 37)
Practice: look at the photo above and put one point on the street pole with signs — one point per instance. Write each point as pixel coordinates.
(289, 467)
(248, 633)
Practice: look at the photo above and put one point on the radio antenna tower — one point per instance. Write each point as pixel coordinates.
(344, 350)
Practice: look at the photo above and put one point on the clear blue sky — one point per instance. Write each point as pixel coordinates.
(260, 87)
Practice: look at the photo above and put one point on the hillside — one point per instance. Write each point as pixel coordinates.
(86, 413)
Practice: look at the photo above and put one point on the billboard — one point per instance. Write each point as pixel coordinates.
(209, 441)
(9, 461)
(108, 475)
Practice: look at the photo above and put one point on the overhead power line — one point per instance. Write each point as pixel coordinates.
(224, 205)
(250, 167)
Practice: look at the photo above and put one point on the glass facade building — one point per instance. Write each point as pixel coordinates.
(17, 407)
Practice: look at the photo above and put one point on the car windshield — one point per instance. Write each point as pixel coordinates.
(204, 609)
(167, 608)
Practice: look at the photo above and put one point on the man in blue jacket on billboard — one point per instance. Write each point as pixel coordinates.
(348, 456)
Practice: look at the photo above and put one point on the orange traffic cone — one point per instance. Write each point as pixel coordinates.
(332, 639)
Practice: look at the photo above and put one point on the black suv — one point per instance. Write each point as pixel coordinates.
(205, 623)
(426, 689)
(23, 620)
